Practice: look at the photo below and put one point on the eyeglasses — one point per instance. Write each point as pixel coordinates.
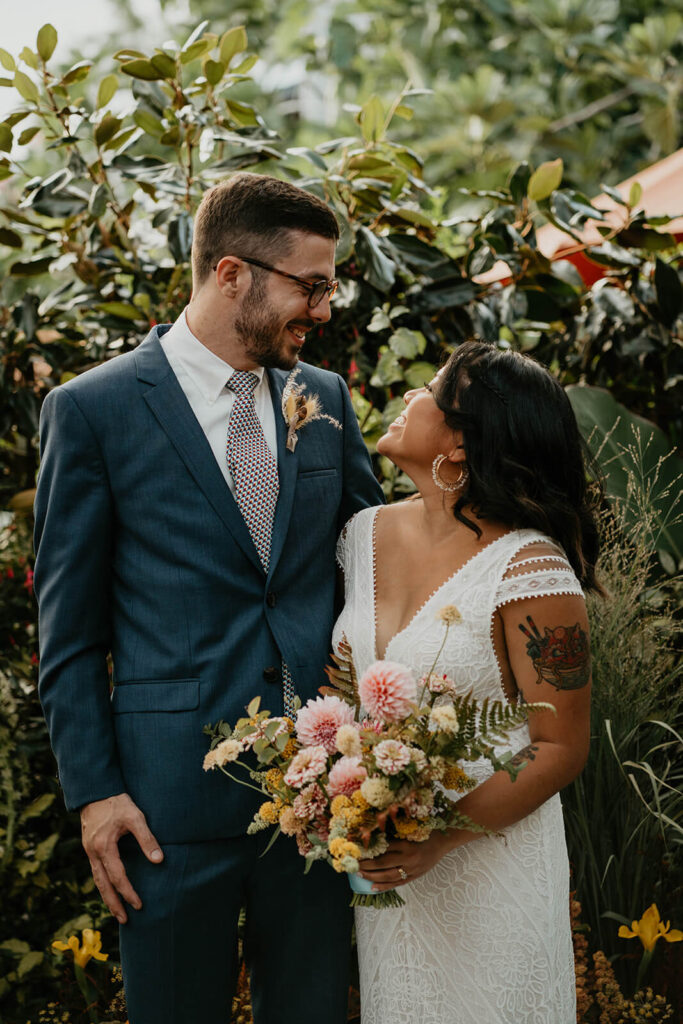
(317, 290)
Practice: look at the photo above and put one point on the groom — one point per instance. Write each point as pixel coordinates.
(178, 531)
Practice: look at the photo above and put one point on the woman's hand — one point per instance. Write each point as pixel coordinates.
(407, 859)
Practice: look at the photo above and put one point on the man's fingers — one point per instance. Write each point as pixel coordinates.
(146, 840)
(108, 893)
(116, 873)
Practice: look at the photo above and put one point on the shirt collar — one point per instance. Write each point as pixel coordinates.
(208, 371)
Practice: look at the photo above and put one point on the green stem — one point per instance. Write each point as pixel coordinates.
(643, 966)
(263, 792)
(434, 664)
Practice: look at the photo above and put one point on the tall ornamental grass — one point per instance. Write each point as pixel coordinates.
(624, 814)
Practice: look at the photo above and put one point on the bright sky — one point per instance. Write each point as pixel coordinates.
(78, 22)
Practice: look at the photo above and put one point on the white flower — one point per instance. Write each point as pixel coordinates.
(418, 757)
(227, 750)
(444, 719)
(377, 792)
(437, 684)
(391, 756)
(449, 614)
(347, 741)
(306, 766)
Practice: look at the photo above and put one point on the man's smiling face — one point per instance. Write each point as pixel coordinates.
(274, 317)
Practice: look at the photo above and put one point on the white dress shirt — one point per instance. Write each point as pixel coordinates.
(203, 376)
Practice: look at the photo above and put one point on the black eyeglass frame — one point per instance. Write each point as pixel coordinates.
(323, 286)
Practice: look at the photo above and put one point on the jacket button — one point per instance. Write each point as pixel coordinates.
(271, 598)
(271, 674)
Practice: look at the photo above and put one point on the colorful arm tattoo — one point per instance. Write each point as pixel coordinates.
(524, 755)
(561, 656)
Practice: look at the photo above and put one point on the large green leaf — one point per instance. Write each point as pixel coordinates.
(632, 449)
(380, 271)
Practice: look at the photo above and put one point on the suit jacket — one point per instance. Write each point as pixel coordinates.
(142, 553)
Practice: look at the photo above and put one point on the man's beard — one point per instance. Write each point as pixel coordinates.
(260, 329)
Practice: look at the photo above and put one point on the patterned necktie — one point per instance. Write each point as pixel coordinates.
(252, 465)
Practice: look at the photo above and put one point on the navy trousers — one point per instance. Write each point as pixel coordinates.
(179, 952)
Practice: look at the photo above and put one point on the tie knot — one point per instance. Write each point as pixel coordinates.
(243, 382)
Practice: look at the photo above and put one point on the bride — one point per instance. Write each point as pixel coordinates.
(504, 530)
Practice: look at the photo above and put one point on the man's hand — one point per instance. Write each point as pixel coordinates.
(103, 822)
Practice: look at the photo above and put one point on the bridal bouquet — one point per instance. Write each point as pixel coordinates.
(372, 759)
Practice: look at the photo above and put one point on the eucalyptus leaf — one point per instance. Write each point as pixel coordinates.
(142, 69)
(214, 71)
(107, 90)
(372, 119)
(164, 64)
(545, 180)
(46, 41)
(77, 73)
(234, 41)
(26, 87)
(28, 134)
(7, 60)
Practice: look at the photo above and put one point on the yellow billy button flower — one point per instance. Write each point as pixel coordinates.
(650, 928)
(269, 812)
(90, 949)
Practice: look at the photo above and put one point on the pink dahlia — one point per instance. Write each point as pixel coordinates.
(387, 690)
(345, 776)
(317, 722)
(306, 766)
(310, 803)
(391, 756)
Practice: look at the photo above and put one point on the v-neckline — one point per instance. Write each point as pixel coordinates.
(425, 604)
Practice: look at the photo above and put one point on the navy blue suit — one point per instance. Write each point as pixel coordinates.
(143, 553)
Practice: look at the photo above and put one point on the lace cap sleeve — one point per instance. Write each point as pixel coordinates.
(540, 569)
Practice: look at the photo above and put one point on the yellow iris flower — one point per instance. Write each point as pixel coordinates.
(90, 949)
(650, 928)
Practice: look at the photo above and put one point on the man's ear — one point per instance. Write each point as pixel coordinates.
(232, 276)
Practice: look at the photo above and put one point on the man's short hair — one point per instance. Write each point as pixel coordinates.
(252, 215)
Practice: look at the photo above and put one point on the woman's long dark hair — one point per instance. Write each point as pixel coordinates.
(526, 458)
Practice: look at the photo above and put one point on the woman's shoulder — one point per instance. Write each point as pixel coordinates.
(535, 565)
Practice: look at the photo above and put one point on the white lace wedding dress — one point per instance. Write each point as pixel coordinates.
(484, 937)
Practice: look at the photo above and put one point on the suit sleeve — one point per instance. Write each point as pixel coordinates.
(360, 486)
(73, 538)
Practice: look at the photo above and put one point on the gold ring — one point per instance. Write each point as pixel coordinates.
(402, 874)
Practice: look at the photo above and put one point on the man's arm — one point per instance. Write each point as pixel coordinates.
(73, 539)
(360, 486)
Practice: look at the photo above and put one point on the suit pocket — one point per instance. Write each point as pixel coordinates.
(317, 474)
(154, 695)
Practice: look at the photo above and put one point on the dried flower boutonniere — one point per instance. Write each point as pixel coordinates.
(299, 409)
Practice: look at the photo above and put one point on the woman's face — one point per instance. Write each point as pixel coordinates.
(420, 432)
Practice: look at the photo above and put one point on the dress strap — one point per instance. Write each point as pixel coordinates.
(538, 568)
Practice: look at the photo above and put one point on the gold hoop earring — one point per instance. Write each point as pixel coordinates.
(441, 484)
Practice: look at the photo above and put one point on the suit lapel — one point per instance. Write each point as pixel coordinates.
(287, 464)
(169, 405)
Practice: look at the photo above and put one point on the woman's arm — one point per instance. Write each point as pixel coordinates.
(548, 654)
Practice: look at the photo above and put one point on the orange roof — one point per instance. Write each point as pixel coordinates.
(662, 194)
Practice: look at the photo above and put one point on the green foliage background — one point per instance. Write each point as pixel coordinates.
(95, 234)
